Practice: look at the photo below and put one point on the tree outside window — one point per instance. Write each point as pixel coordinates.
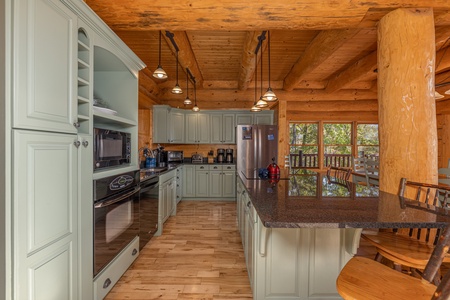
(367, 139)
(337, 144)
(303, 138)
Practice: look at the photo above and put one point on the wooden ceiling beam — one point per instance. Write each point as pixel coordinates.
(186, 56)
(310, 106)
(178, 15)
(297, 95)
(247, 70)
(363, 67)
(323, 45)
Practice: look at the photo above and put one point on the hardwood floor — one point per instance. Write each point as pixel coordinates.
(198, 256)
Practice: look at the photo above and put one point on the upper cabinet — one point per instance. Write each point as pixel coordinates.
(223, 128)
(197, 128)
(179, 126)
(45, 75)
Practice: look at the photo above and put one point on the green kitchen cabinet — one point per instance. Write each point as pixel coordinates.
(201, 181)
(223, 128)
(197, 130)
(188, 181)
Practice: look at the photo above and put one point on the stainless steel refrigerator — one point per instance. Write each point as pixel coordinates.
(256, 145)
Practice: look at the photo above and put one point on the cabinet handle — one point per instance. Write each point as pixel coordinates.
(106, 283)
(134, 252)
(76, 125)
(85, 143)
(77, 143)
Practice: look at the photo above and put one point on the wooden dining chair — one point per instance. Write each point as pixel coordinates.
(410, 249)
(372, 168)
(359, 170)
(366, 279)
(339, 173)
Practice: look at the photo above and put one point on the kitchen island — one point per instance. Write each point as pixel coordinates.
(299, 231)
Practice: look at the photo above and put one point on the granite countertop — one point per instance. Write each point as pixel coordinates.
(309, 200)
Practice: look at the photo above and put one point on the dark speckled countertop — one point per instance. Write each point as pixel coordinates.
(309, 200)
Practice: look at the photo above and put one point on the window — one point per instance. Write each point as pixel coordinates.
(303, 138)
(337, 144)
(367, 139)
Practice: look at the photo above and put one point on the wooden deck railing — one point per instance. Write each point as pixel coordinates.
(302, 160)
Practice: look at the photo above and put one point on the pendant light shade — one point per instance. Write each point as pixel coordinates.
(261, 103)
(269, 96)
(177, 89)
(159, 72)
(187, 101)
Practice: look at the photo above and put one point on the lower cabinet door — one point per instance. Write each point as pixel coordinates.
(202, 184)
(229, 184)
(215, 184)
(45, 218)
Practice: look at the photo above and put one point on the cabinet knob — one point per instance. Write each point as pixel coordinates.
(76, 124)
(85, 143)
(77, 143)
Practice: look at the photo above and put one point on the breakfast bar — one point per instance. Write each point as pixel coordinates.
(300, 230)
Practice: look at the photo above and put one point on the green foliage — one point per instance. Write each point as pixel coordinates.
(337, 134)
(303, 133)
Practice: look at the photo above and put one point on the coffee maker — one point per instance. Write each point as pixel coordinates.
(161, 157)
(229, 156)
(220, 155)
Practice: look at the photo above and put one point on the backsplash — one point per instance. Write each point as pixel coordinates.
(203, 149)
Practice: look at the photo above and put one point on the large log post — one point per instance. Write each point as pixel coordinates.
(407, 110)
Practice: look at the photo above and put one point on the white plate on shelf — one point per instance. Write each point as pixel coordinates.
(105, 110)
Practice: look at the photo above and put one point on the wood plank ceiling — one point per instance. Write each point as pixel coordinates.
(320, 50)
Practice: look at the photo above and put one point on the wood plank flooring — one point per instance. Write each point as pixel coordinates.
(198, 256)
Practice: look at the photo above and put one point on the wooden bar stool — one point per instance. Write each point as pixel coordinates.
(366, 279)
(410, 247)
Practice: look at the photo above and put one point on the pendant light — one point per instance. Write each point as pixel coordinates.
(159, 72)
(269, 95)
(187, 101)
(195, 108)
(177, 89)
(254, 107)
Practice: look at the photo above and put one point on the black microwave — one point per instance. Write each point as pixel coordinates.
(111, 148)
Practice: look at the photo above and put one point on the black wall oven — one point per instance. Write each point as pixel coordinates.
(116, 216)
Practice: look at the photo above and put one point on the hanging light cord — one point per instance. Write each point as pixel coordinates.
(177, 68)
(268, 53)
(261, 88)
(159, 48)
(256, 79)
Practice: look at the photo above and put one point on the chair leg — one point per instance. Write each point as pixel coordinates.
(378, 257)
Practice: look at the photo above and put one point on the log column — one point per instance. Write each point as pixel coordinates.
(407, 110)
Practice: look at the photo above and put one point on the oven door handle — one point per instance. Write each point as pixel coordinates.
(149, 187)
(110, 202)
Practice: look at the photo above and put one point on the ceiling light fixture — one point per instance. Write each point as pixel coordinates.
(159, 72)
(254, 107)
(177, 89)
(269, 95)
(195, 108)
(187, 101)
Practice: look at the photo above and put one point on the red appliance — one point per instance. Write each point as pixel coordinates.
(274, 170)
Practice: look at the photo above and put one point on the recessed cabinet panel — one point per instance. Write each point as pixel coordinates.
(47, 44)
(46, 216)
(46, 197)
(53, 274)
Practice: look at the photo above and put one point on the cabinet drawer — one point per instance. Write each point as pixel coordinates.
(202, 168)
(216, 168)
(229, 167)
